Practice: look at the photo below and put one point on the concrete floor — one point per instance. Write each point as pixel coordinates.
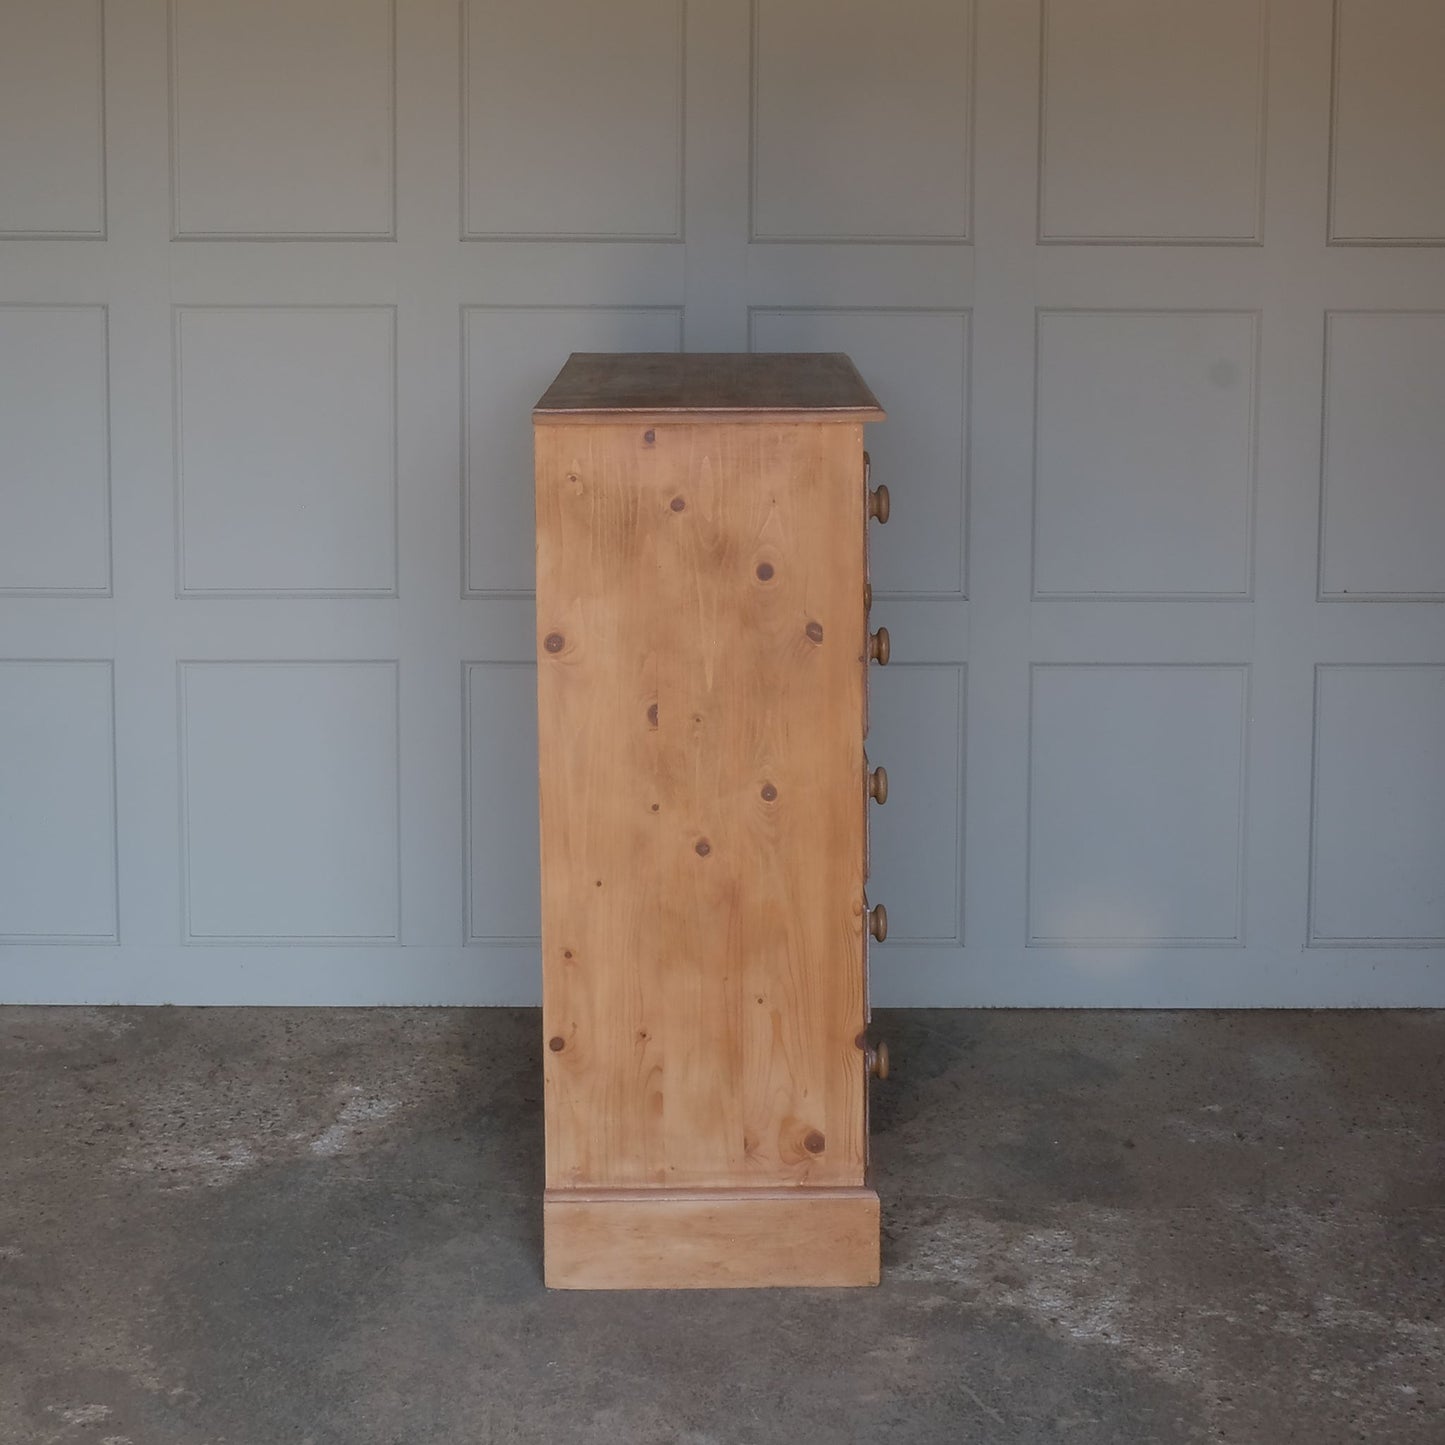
(254, 1227)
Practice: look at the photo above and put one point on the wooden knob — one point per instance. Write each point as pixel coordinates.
(878, 647)
(878, 504)
(867, 468)
(867, 596)
(875, 1060)
(878, 922)
(878, 785)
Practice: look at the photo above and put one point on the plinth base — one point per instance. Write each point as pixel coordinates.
(710, 1238)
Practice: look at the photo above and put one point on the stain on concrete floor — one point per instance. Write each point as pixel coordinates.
(250, 1227)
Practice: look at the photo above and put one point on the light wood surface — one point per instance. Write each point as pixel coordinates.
(700, 636)
(728, 1239)
(806, 386)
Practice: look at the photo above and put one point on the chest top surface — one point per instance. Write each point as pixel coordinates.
(714, 385)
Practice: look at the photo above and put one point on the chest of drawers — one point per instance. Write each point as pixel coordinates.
(702, 669)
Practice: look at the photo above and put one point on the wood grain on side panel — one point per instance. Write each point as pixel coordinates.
(700, 692)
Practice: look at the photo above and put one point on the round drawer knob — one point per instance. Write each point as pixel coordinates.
(878, 785)
(879, 647)
(878, 922)
(878, 503)
(875, 1060)
(867, 596)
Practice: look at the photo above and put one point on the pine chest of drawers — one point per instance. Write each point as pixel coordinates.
(702, 679)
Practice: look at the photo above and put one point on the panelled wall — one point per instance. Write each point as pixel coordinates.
(1153, 290)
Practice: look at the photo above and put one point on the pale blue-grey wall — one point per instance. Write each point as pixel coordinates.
(1154, 293)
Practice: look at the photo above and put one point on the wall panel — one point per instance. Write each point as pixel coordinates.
(289, 779)
(1382, 500)
(57, 803)
(1379, 807)
(1144, 454)
(1386, 181)
(286, 450)
(55, 460)
(1136, 805)
(283, 118)
(1152, 121)
(841, 91)
(52, 119)
(607, 164)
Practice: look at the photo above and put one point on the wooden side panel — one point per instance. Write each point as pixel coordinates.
(743, 1239)
(699, 616)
